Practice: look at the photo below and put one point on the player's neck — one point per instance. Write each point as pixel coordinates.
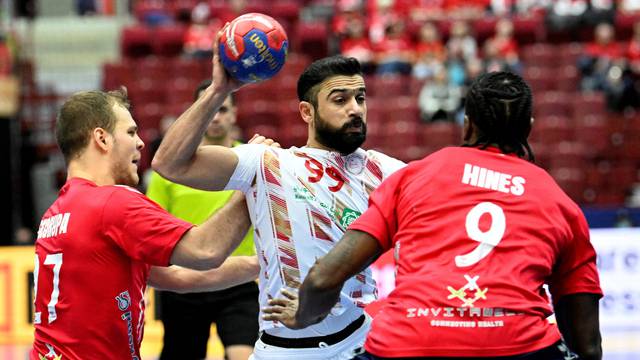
(313, 143)
(94, 171)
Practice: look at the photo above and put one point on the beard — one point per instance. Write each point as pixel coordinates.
(122, 174)
(340, 139)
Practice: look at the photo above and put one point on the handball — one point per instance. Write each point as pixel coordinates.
(253, 47)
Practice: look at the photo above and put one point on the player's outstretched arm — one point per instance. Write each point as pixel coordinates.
(578, 320)
(234, 271)
(321, 288)
(180, 158)
(207, 245)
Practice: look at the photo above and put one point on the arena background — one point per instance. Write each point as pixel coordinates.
(586, 132)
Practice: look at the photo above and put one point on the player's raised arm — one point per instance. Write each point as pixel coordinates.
(180, 158)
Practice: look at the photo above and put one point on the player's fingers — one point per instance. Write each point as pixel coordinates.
(276, 144)
(253, 137)
(289, 294)
(279, 302)
(272, 309)
(258, 139)
(273, 317)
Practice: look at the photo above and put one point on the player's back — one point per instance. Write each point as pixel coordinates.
(478, 234)
(88, 302)
(302, 201)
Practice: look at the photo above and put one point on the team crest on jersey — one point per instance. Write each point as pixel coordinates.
(51, 355)
(348, 217)
(469, 293)
(123, 300)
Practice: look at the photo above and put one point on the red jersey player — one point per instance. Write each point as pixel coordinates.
(477, 232)
(102, 241)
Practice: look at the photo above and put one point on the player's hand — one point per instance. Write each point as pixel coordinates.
(283, 310)
(220, 77)
(259, 139)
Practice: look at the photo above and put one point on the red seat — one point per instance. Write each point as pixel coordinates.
(552, 130)
(136, 41)
(311, 39)
(193, 69)
(401, 133)
(594, 132)
(388, 86)
(540, 55)
(114, 75)
(552, 103)
(440, 134)
(540, 79)
(568, 78)
(571, 180)
(169, 40)
(591, 103)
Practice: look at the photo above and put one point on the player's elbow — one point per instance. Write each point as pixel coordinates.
(592, 351)
(207, 260)
(161, 165)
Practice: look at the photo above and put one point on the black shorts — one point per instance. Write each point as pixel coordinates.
(557, 351)
(187, 319)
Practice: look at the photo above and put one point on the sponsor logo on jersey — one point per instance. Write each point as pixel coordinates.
(51, 355)
(348, 217)
(473, 288)
(466, 314)
(123, 300)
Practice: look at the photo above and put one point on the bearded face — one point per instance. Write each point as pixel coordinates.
(345, 139)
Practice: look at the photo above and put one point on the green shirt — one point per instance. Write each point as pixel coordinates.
(193, 205)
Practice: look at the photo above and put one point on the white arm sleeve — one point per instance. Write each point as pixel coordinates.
(248, 164)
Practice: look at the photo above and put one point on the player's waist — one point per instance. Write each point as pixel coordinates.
(314, 341)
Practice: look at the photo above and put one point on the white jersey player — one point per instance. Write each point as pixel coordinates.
(301, 200)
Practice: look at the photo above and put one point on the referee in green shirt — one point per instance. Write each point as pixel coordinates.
(187, 318)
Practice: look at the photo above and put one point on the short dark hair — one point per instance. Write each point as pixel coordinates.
(322, 69)
(205, 84)
(499, 104)
(83, 112)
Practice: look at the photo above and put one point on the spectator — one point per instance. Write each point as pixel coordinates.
(461, 44)
(430, 52)
(427, 10)
(355, 43)
(201, 33)
(439, 100)
(394, 54)
(565, 15)
(506, 46)
(602, 67)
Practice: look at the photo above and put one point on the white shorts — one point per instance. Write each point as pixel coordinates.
(344, 350)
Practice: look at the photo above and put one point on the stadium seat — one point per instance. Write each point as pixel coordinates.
(388, 86)
(552, 103)
(540, 78)
(311, 38)
(552, 130)
(168, 40)
(440, 134)
(539, 55)
(588, 103)
(136, 41)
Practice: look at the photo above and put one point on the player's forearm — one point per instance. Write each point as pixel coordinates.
(578, 320)
(179, 145)
(317, 297)
(234, 271)
(208, 245)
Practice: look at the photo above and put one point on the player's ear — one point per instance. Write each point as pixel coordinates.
(466, 129)
(306, 111)
(101, 138)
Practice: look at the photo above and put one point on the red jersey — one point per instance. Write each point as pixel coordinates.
(476, 235)
(93, 254)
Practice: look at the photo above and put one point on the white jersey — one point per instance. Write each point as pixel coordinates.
(301, 203)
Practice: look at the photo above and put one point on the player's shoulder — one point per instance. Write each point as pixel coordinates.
(381, 158)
